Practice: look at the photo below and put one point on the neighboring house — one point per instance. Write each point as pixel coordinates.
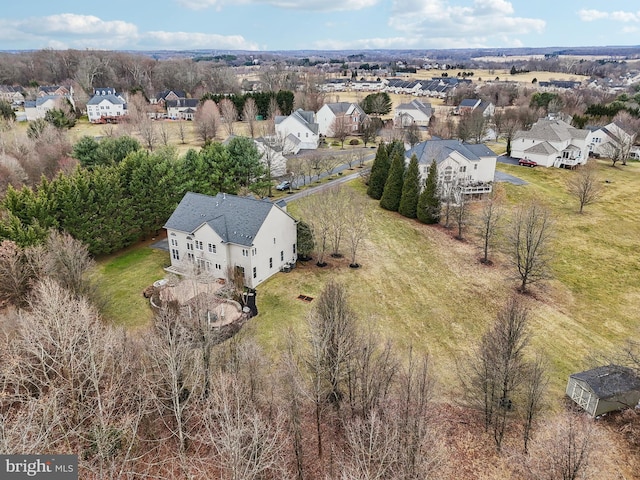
(60, 90)
(335, 85)
(604, 389)
(552, 143)
(217, 234)
(106, 105)
(163, 97)
(469, 105)
(271, 149)
(463, 168)
(610, 138)
(182, 108)
(12, 94)
(299, 130)
(414, 112)
(351, 112)
(559, 85)
(39, 107)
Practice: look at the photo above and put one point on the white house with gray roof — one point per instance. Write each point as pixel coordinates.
(106, 104)
(610, 139)
(552, 143)
(226, 232)
(352, 114)
(299, 130)
(466, 168)
(414, 112)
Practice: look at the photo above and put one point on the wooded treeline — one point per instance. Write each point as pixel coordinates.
(338, 403)
(114, 203)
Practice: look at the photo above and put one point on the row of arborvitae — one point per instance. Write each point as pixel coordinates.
(398, 188)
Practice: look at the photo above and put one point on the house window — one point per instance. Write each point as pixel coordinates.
(189, 246)
(191, 257)
(274, 240)
(245, 253)
(218, 267)
(175, 254)
(254, 272)
(211, 247)
(463, 168)
(199, 245)
(282, 255)
(174, 242)
(270, 262)
(475, 167)
(294, 248)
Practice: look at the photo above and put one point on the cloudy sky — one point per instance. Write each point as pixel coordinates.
(316, 24)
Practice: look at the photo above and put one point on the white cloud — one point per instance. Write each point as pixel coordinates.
(87, 31)
(587, 15)
(309, 5)
(471, 26)
(72, 24)
(188, 40)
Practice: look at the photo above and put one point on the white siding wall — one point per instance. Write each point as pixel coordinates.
(307, 137)
(325, 118)
(281, 227)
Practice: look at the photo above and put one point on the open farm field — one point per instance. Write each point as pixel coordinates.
(504, 74)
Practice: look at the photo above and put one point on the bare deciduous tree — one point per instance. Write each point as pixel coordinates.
(528, 243)
(534, 384)
(584, 185)
(229, 115)
(249, 114)
(340, 129)
(207, 120)
(492, 378)
(489, 221)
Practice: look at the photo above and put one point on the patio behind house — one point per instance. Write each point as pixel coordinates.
(200, 297)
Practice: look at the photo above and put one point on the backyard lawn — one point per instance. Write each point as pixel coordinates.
(419, 287)
(123, 277)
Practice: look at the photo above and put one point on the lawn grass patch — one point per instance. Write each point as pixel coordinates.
(122, 279)
(421, 288)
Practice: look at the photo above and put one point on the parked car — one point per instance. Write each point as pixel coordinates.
(525, 162)
(282, 186)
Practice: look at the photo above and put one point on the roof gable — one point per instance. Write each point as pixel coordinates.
(235, 219)
(440, 150)
(609, 380)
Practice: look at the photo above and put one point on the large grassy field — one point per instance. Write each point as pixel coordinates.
(419, 287)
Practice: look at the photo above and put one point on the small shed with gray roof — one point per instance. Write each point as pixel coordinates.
(604, 389)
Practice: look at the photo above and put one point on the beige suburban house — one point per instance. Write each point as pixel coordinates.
(463, 168)
(606, 141)
(226, 233)
(350, 113)
(552, 143)
(414, 112)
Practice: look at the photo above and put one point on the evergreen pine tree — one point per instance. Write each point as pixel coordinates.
(305, 242)
(428, 210)
(393, 187)
(379, 172)
(410, 190)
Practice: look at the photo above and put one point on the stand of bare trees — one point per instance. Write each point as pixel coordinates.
(585, 185)
(529, 243)
(498, 381)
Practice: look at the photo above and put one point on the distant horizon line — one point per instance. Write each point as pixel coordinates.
(226, 50)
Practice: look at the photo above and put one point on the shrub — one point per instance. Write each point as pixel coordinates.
(354, 141)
